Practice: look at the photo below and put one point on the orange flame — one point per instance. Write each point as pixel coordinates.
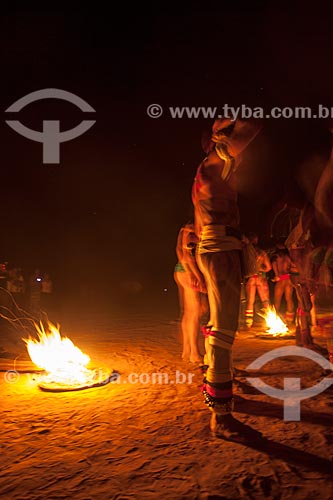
(274, 323)
(58, 356)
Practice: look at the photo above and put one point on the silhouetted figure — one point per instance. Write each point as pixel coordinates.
(191, 287)
(257, 282)
(46, 293)
(214, 196)
(16, 286)
(35, 287)
(283, 285)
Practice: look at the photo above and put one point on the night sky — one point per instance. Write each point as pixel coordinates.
(107, 217)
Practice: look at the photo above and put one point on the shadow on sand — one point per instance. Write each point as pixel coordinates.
(278, 450)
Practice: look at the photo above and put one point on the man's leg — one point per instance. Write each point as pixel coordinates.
(278, 293)
(303, 332)
(290, 303)
(178, 277)
(191, 322)
(223, 277)
(251, 288)
(263, 291)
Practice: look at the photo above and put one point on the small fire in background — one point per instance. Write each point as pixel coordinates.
(64, 363)
(275, 325)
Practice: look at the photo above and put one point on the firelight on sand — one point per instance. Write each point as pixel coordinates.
(63, 362)
(275, 325)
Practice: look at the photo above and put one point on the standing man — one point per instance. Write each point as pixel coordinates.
(191, 288)
(46, 292)
(214, 196)
(299, 246)
(35, 293)
(257, 283)
(283, 286)
(16, 285)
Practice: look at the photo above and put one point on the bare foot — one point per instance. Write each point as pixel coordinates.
(196, 360)
(227, 427)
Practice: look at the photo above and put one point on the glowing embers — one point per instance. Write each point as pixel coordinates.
(65, 365)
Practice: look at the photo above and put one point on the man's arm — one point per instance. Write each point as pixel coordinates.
(189, 244)
(267, 266)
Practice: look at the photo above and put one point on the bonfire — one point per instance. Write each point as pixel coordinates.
(275, 326)
(65, 365)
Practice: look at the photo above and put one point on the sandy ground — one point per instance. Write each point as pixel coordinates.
(141, 439)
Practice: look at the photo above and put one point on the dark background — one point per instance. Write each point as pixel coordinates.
(105, 221)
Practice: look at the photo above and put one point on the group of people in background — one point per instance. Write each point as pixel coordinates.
(215, 260)
(272, 278)
(32, 294)
(287, 273)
